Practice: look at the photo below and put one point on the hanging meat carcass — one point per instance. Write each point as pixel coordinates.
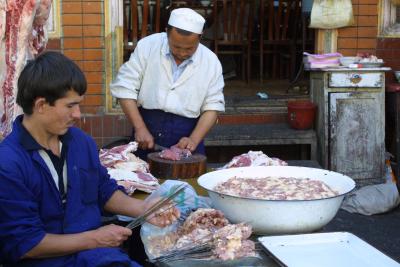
(22, 37)
(3, 68)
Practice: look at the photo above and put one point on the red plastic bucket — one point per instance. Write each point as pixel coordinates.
(301, 114)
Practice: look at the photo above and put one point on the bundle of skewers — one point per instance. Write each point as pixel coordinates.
(194, 251)
(160, 206)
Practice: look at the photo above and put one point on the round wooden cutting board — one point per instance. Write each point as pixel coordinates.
(186, 168)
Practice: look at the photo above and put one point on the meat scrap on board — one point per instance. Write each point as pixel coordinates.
(22, 36)
(175, 153)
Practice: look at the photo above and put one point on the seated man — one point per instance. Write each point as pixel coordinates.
(53, 187)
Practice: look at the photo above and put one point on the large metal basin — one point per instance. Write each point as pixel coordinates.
(278, 216)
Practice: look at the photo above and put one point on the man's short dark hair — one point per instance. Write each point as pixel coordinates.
(51, 75)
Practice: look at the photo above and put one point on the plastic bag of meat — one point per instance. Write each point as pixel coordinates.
(225, 243)
(199, 227)
(187, 200)
(253, 158)
(220, 243)
(162, 238)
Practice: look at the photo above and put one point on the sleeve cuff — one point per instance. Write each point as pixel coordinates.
(27, 244)
(213, 106)
(108, 190)
(121, 92)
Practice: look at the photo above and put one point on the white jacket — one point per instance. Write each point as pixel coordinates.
(147, 77)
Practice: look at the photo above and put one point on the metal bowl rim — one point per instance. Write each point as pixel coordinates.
(289, 200)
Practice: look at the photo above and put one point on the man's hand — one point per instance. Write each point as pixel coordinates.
(164, 216)
(144, 138)
(142, 134)
(206, 121)
(187, 143)
(111, 235)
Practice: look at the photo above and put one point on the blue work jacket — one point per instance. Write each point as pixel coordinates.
(31, 205)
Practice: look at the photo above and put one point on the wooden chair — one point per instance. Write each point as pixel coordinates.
(305, 42)
(306, 37)
(279, 25)
(232, 26)
(141, 18)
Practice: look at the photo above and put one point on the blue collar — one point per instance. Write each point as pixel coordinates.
(27, 140)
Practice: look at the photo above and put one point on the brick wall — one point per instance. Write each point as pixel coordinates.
(389, 50)
(361, 37)
(106, 128)
(82, 40)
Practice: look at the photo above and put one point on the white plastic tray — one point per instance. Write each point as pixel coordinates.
(338, 249)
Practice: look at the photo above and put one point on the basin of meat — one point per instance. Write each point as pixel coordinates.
(311, 200)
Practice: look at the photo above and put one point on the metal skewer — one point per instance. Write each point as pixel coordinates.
(183, 216)
(159, 204)
(189, 251)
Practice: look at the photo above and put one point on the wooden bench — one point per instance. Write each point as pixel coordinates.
(262, 134)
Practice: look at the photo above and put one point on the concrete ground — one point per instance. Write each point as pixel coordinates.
(381, 231)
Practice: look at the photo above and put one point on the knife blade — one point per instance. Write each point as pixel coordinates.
(157, 147)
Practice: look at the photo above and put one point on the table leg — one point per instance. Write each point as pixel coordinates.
(313, 151)
(397, 128)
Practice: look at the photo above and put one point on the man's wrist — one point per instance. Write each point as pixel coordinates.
(90, 240)
(195, 140)
(139, 127)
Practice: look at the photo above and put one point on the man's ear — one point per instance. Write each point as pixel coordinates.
(40, 104)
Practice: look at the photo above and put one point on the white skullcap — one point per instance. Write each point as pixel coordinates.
(187, 19)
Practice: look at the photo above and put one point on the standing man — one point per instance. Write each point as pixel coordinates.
(53, 187)
(171, 89)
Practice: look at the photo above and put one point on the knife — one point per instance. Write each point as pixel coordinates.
(157, 147)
